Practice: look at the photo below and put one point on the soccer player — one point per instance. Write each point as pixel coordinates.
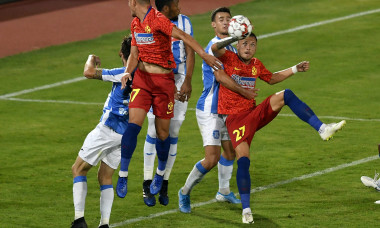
(373, 182)
(243, 117)
(153, 84)
(104, 142)
(212, 127)
(184, 58)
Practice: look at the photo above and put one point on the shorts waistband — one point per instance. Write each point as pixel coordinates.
(168, 75)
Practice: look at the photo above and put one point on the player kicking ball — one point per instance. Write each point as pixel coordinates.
(243, 117)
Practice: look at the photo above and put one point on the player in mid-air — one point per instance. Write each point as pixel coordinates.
(212, 127)
(243, 117)
(184, 58)
(153, 84)
(104, 142)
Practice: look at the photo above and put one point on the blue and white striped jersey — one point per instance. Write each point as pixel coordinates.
(178, 47)
(208, 102)
(115, 110)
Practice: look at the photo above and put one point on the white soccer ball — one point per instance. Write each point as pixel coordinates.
(239, 27)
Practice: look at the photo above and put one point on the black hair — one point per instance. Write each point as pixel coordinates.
(253, 35)
(219, 10)
(126, 46)
(161, 3)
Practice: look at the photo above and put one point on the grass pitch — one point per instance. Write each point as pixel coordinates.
(42, 131)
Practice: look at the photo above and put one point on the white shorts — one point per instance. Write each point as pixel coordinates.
(180, 108)
(103, 144)
(212, 127)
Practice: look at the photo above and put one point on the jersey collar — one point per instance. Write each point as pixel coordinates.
(149, 9)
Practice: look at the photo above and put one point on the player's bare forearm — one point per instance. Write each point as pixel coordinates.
(190, 41)
(218, 47)
(186, 87)
(131, 66)
(284, 74)
(91, 70)
(230, 84)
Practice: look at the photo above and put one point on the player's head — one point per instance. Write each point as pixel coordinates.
(220, 18)
(133, 4)
(169, 8)
(247, 47)
(125, 49)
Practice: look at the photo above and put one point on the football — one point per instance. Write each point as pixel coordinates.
(239, 27)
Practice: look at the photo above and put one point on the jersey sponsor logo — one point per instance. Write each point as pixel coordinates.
(216, 134)
(254, 71)
(245, 82)
(144, 38)
(235, 68)
(170, 108)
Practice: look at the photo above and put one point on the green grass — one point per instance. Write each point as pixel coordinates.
(40, 141)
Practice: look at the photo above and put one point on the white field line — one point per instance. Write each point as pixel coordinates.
(42, 87)
(258, 189)
(302, 27)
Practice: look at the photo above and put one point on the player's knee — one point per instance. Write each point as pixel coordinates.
(162, 134)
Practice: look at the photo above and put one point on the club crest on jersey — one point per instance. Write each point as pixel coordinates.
(254, 71)
(245, 82)
(147, 29)
(144, 38)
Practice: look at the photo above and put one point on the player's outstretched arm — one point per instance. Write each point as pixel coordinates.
(91, 70)
(131, 66)
(218, 48)
(230, 84)
(212, 61)
(284, 74)
(186, 88)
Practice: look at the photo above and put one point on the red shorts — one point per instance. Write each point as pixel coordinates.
(243, 126)
(156, 90)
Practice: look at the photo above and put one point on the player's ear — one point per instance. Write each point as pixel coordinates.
(165, 9)
(213, 24)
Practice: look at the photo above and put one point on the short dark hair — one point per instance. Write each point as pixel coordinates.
(219, 10)
(126, 46)
(161, 3)
(253, 35)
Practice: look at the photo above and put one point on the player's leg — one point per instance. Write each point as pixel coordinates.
(243, 180)
(106, 192)
(304, 112)
(149, 157)
(162, 148)
(79, 171)
(128, 146)
(210, 131)
(225, 168)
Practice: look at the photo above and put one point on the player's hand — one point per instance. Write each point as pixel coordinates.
(185, 92)
(96, 60)
(303, 66)
(251, 93)
(212, 61)
(127, 76)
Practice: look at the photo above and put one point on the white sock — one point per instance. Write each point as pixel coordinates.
(224, 176)
(149, 157)
(79, 197)
(171, 160)
(193, 179)
(106, 200)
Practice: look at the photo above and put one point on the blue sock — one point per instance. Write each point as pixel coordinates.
(200, 167)
(128, 145)
(301, 109)
(162, 148)
(243, 180)
(79, 179)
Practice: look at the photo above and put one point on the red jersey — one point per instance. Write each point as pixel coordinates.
(245, 75)
(153, 38)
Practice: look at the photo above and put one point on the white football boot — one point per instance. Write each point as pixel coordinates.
(369, 182)
(329, 130)
(247, 216)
